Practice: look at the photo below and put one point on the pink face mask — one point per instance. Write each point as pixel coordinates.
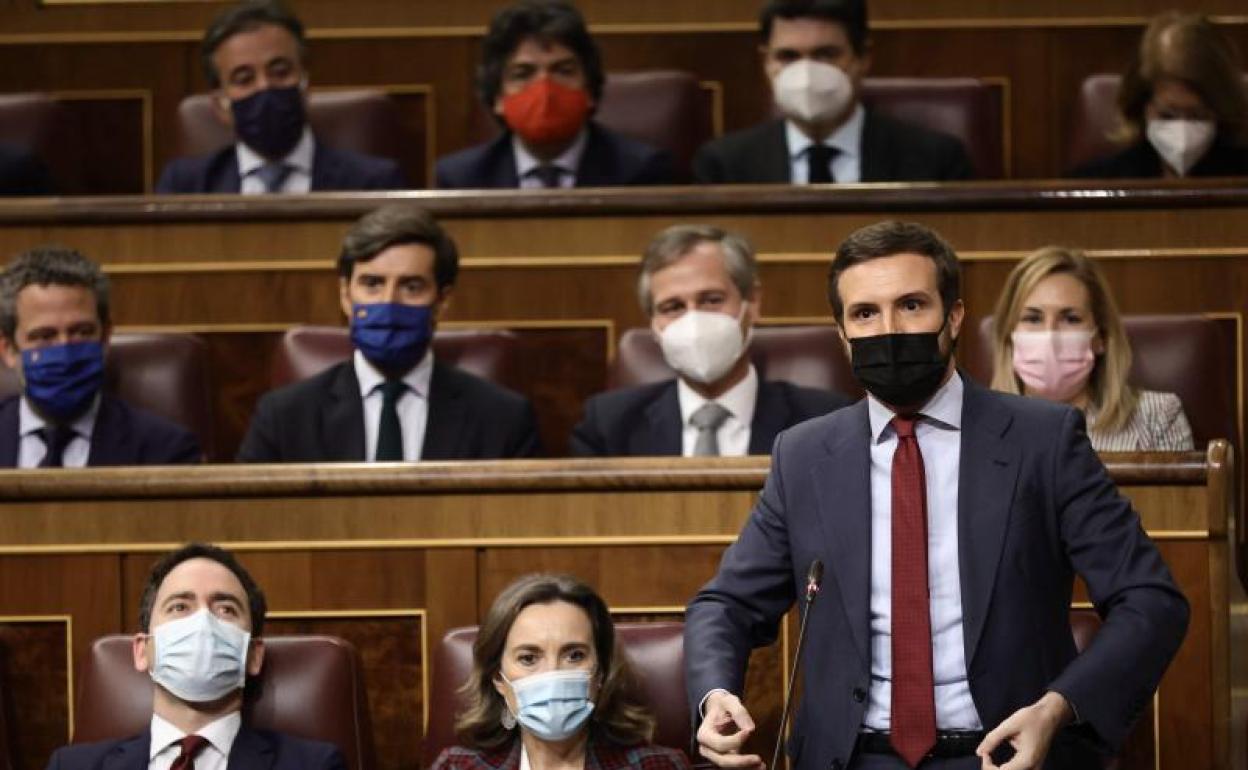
(1054, 365)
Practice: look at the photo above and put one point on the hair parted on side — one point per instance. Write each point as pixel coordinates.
(674, 242)
(890, 238)
(618, 715)
(396, 224)
(851, 14)
(256, 604)
(50, 266)
(245, 17)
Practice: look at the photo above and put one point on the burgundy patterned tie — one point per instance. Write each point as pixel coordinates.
(191, 746)
(913, 701)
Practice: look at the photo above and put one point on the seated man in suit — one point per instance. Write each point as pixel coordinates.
(541, 77)
(392, 401)
(202, 616)
(699, 286)
(253, 56)
(54, 329)
(21, 173)
(815, 54)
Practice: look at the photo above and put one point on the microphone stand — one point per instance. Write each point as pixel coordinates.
(814, 577)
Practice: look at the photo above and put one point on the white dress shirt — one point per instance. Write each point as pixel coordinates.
(939, 433)
(846, 166)
(31, 449)
(733, 434)
(299, 159)
(215, 756)
(413, 405)
(568, 161)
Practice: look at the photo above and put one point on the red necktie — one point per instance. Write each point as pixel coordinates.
(913, 702)
(191, 746)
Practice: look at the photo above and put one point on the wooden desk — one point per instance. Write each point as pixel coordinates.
(391, 557)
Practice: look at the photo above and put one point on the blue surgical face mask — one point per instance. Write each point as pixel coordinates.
(200, 658)
(62, 380)
(553, 705)
(392, 336)
(270, 121)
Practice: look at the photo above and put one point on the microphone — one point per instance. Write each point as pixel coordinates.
(814, 578)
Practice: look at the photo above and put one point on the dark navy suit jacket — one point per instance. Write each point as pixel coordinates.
(892, 151)
(123, 435)
(332, 169)
(321, 419)
(609, 160)
(252, 750)
(1035, 508)
(645, 420)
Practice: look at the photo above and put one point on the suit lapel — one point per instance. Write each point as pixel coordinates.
(225, 177)
(130, 754)
(110, 436)
(664, 423)
(771, 157)
(986, 480)
(499, 168)
(874, 166)
(593, 170)
(771, 415)
(446, 419)
(9, 438)
(342, 436)
(251, 751)
(843, 486)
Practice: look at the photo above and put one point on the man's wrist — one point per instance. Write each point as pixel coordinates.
(1059, 710)
(707, 697)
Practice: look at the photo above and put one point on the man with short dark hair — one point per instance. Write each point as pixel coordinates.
(952, 521)
(541, 78)
(201, 620)
(815, 54)
(392, 401)
(699, 286)
(253, 56)
(54, 332)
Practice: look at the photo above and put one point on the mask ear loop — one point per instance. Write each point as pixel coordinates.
(506, 718)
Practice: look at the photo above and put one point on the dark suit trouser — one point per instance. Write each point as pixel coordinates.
(891, 762)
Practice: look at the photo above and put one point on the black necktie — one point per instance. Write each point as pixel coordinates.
(390, 433)
(549, 175)
(819, 158)
(55, 438)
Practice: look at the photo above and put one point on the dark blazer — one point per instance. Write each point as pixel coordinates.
(21, 173)
(609, 160)
(252, 750)
(321, 419)
(1141, 161)
(122, 435)
(892, 151)
(645, 420)
(332, 169)
(1035, 508)
(600, 756)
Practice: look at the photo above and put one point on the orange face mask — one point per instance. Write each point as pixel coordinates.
(546, 112)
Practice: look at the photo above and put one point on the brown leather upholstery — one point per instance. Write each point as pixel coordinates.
(966, 108)
(164, 373)
(663, 108)
(811, 356)
(1083, 625)
(363, 120)
(309, 686)
(43, 126)
(306, 351)
(656, 651)
(6, 703)
(1191, 355)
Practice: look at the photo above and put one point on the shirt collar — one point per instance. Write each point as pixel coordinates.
(29, 421)
(417, 378)
(847, 139)
(569, 160)
(943, 408)
(220, 733)
(739, 400)
(300, 158)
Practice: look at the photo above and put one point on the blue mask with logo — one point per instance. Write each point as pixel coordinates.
(62, 380)
(270, 121)
(391, 335)
(553, 705)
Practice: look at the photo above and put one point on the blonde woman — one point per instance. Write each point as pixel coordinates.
(1058, 336)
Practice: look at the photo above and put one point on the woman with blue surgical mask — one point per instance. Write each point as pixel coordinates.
(1057, 335)
(1183, 105)
(549, 689)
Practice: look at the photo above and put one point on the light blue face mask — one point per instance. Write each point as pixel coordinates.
(200, 658)
(553, 705)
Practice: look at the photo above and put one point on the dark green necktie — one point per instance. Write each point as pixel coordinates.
(390, 434)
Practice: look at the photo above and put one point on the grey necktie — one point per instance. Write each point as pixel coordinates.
(274, 175)
(707, 420)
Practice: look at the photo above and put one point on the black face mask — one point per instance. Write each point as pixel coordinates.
(270, 121)
(902, 370)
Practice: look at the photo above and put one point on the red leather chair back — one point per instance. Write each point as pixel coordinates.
(43, 126)
(1191, 355)
(306, 351)
(365, 121)
(310, 687)
(656, 651)
(164, 373)
(966, 108)
(812, 356)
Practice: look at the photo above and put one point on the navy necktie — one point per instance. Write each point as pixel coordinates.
(390, 432)
(274, 175)
(55, 438)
